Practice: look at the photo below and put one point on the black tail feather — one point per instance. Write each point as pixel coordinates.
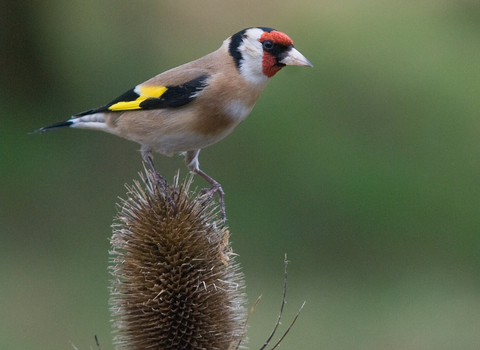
(55, 126)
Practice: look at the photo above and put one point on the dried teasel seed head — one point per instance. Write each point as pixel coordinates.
(176, 284)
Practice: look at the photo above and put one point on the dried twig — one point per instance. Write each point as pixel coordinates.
(281, 307)
(98, 344)
(280, 314)
(289, 327)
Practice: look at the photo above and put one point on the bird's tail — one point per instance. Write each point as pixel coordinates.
(91, 121)
(64, 124)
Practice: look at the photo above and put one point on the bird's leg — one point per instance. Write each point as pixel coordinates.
(147, 155)
(216, 187)
(191, 158)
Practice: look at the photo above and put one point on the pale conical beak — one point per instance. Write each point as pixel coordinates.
(295, 58)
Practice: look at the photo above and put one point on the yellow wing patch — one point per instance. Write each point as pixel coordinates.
(150, 91)
(144, 92)
(125, 106)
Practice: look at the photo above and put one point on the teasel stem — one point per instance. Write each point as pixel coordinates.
(176, 284)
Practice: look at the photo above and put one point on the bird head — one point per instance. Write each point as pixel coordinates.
(260, 52)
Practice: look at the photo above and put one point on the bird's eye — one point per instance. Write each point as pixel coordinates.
(267, 44)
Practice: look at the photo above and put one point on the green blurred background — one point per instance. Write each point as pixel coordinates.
(365, 169)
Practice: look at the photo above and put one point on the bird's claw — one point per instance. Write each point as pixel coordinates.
(210, 192)
(159, 180)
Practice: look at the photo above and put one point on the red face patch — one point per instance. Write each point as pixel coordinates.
(277, 38)
(269, 62)
(269, 65)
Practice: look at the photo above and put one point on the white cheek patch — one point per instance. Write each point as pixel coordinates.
(238, 110)
(252, 54)
(253, 73)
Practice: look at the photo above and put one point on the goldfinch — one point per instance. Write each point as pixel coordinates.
(196, 104)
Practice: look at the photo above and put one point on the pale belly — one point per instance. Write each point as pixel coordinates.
(169, 132)
(183, 142)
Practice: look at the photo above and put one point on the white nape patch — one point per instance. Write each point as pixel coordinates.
(237, 110)
(252, 56)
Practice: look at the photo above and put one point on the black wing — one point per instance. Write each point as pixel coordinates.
(154, 97)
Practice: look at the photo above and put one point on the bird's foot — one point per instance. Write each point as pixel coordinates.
(210, 192)
(160, 181)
